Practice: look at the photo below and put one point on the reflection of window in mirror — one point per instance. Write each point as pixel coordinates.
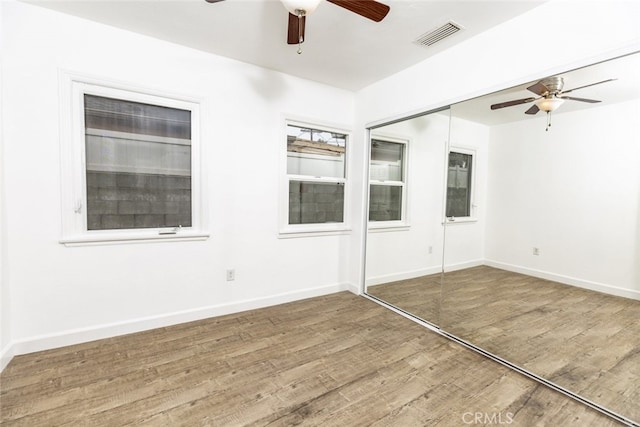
(460, 184)
(316, 176)
(387, 181)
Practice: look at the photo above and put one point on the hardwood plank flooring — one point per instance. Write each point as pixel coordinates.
(337, 360)
(585, 341)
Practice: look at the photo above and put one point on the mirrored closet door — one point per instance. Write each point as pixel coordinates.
(540, 231)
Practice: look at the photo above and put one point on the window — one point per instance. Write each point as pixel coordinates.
(138, 165)
(133, 169)
(315, 178)
(387, 177)
(460, 184)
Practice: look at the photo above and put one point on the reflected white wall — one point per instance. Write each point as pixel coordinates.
(573, 193)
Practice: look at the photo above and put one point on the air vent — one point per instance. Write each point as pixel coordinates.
(440, 33)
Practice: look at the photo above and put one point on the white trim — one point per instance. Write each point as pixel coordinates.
(427, 271)
(385, 226)
(6, 354)
(82, 335)
(74, 231)
(317, 179)
(354, 289)
(460, 220)
(463, 265)
(129, 237)
(405, 275)
(311, 230)
(567, 280)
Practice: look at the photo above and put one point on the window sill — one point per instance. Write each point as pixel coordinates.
(117, 239)
(386, 226)
(465, 220)
(306, 231)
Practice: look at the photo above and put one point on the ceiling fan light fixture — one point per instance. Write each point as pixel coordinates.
(296, 6)
(549, 104)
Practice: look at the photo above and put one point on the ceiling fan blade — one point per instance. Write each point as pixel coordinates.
(592, 101)
(512, 103)
(533, 110)
(370, 9)
(538, 89)
(592, 84)
(295, 34)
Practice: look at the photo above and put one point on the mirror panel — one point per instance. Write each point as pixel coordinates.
(405, 236)
(557, 293)
(541, 258)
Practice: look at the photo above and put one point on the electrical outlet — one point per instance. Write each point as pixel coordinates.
(536, 251)
(231, 275)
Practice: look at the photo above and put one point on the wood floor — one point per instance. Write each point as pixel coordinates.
(585, 341)
(337, 360)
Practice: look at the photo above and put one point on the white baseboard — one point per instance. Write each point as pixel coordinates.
(6, 354)
(567, 280)
(386, 278)
(353, 288)
(82, 335)
(463, 265)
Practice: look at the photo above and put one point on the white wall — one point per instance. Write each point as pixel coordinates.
(509, 54)
(572, 192)
(464, 241)
(5, 307)
(61, 294)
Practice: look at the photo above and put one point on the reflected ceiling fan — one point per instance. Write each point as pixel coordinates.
(299, 9)
(550, 96)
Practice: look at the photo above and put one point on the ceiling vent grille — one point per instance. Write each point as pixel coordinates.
(438, 34)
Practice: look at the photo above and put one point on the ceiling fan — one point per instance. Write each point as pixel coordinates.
(550, 96)
(299, 9)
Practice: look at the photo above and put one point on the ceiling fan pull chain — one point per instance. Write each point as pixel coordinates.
(548, 121)
(301, 13)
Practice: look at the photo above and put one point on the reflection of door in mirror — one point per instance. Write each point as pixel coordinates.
(405, 233)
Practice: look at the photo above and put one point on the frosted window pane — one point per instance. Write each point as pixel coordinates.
(315, 203)
(138, 165)
(385, 203)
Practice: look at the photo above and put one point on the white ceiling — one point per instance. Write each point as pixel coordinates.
(341, 48)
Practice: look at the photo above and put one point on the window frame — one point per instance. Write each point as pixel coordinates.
(472, 194)
(403, 222)
(286, 230)
(75, 232)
